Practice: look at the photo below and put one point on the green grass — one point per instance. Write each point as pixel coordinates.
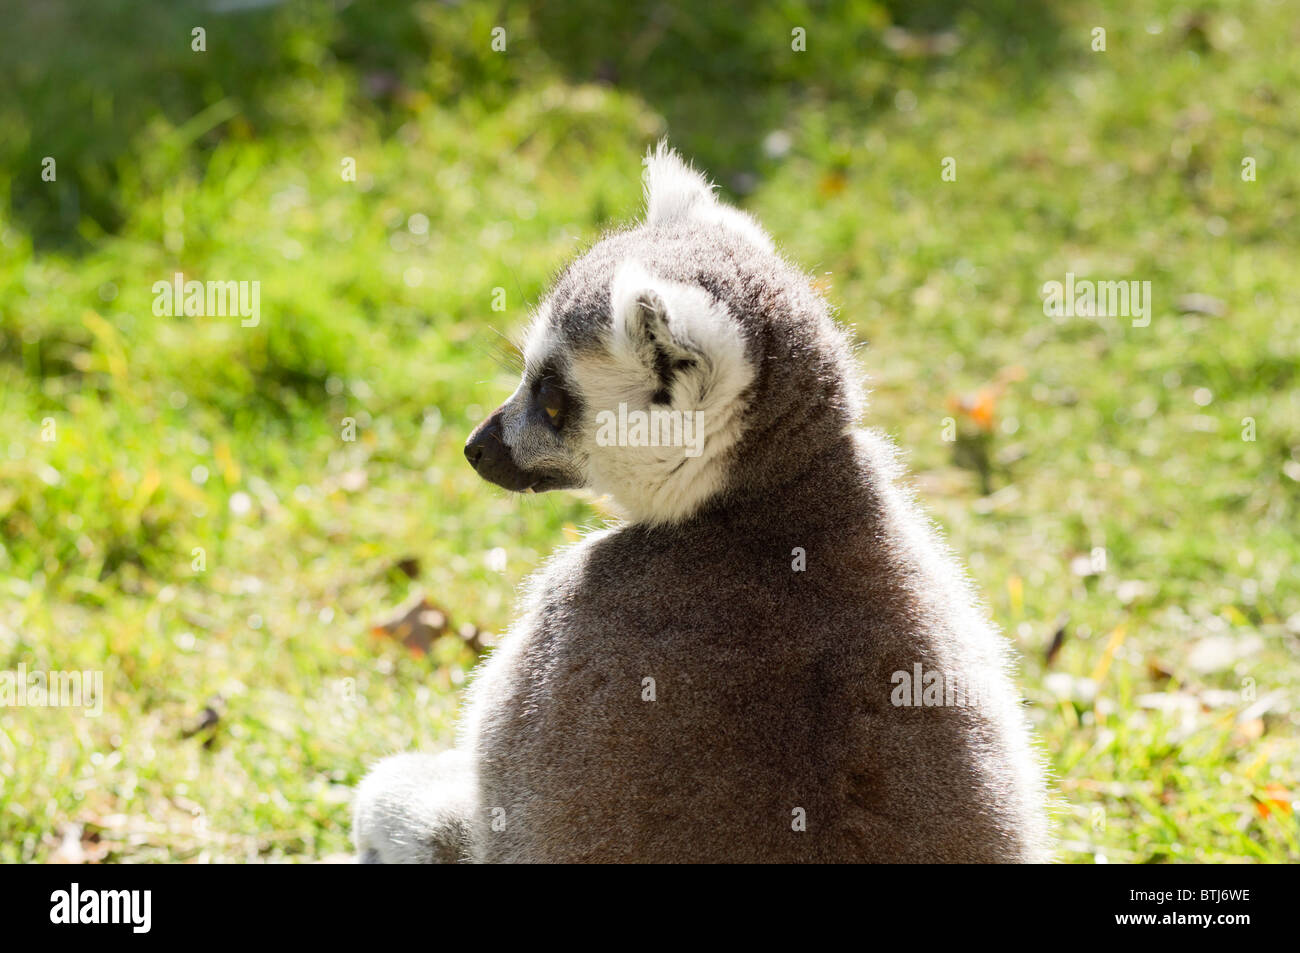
(1123, 164)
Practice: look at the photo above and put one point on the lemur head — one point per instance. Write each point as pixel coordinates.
(676, 364)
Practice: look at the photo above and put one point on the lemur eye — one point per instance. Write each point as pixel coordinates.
(551, 398)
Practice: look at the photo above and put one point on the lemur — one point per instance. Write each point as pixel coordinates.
(725, 674)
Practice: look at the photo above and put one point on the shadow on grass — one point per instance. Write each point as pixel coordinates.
(84, 82)
(725, 75)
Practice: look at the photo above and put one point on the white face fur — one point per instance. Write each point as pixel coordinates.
(648, 415)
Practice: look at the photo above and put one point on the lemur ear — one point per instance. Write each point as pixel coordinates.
(671, 332)
(677, 194)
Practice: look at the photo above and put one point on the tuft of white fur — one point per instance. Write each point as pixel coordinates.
(414, 809)
(663, 484)
(675, 193)
(541, 338)
(673, 190)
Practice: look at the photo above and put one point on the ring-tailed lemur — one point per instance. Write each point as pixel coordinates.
(774, 658)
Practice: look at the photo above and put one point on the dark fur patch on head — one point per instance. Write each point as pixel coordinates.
(666, 370)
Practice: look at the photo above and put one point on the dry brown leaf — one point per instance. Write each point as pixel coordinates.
(417, 624)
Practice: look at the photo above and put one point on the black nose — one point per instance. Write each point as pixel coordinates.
(485, 442)
(488, 454)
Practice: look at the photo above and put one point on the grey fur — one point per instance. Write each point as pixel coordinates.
(773, 688)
